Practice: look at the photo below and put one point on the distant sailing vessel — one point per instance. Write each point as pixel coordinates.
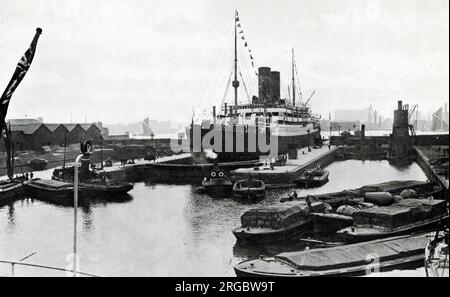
(266, 116)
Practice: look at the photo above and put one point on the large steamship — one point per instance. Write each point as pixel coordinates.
(235, 132)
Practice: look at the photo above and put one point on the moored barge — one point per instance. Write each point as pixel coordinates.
(349, 260)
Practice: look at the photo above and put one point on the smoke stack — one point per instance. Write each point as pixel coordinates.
(226, 108)
(264, 84)
(363, 132)
(275, 84)
(214, 115)
(400, 105)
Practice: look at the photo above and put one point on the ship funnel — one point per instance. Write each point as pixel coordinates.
(275, 84)
(264, 84)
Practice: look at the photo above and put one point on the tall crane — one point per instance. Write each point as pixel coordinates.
(413, 127)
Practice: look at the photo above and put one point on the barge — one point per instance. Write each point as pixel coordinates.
(349, 260)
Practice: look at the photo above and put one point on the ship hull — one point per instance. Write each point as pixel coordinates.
(240, 143)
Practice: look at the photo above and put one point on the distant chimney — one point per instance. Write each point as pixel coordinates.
(214, 115)
(400, 105)
(226, 108)
(363, 132)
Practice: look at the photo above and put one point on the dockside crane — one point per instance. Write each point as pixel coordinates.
(413, 127)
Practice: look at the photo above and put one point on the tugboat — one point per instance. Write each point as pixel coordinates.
(90, 181)
(249, 190)
(37, 164)
(217, 184)
(54, 191)
(312, 178)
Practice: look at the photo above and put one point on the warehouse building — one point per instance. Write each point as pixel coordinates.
(32, 134)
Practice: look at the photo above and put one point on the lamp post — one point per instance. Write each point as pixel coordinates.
(75, 209)
(86, 150)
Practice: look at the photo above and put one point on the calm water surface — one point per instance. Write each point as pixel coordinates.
(162, 230)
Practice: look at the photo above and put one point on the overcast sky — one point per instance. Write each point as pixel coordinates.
(118, 61)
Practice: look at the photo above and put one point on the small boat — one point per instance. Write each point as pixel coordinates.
(37, 164)
(436, 255)
(50, 190)
(347, 260)
(277, 223)
(10, 189)
(249, 190)
(217, 184)
(312, 178)
(405, 217)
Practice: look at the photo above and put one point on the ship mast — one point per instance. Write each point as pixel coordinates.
(293, 80)
(235, 81)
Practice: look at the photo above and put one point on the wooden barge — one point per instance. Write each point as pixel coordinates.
(349, 260)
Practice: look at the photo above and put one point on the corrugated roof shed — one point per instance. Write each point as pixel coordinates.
(52, 127)
(26, 129)
(23, 121)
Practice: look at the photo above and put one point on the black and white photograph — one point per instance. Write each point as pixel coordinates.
(280, 139)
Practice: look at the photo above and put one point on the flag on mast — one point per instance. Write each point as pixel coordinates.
(21, 69)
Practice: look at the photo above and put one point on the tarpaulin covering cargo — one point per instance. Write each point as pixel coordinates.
(280, 216)
(355, 254)
(405, 212)
(427, 207)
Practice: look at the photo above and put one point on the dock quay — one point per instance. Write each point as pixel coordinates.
(280, 175)
(437, 172)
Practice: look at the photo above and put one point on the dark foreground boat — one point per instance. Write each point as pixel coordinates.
(50, 190)
(37, 164)
(92, 183)
(405, 217)
(276, 223)
(354, 259)
(217, 184)
(249, 190)
(312, 178)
